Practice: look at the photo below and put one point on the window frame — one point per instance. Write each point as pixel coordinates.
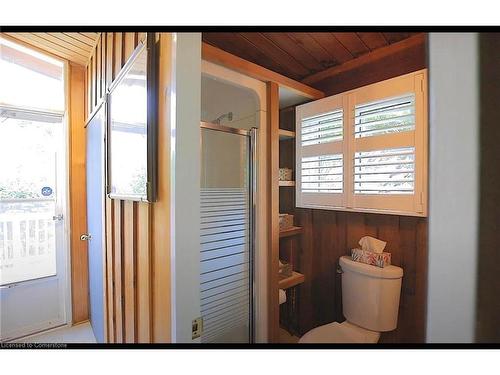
(406, 204)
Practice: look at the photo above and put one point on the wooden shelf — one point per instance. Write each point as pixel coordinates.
(290, 232)
(287, 183)
(286, 134)
(288, 282)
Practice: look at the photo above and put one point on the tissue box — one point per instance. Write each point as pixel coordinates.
(369, 257)
(286, 221)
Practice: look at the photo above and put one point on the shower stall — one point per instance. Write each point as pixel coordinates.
(228, 211)
(227, 214)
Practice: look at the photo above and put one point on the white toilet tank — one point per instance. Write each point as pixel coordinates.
(370, 294)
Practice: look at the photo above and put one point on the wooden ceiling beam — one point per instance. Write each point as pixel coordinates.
(367, 58)
(230, 61)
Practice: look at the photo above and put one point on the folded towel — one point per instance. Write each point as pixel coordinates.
(368, 243)
(282, 295)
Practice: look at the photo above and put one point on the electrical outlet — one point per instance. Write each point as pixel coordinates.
(197, 328)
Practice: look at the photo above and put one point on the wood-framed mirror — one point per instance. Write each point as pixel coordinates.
(132, 127)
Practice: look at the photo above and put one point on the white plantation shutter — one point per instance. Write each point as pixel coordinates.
(320, 129)
(386, 116)
(322, 174)
(320, 146)
(389, 171)
(381, 150)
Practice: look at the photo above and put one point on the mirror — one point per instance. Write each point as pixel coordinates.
(132, 128)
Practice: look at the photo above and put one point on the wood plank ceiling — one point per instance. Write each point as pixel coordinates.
(75, 47)
(300, 55)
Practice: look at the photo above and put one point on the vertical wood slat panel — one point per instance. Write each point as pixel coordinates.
(110, 293)
(128, 45)
(129, 253)
(103, 64)
(118, 253)
(129, 265)
(118, 54)
(94, 80)
(77, 198)
(143, 287)
(109, 58)
(98, 61)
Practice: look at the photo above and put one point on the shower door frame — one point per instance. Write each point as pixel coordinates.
(251, 136)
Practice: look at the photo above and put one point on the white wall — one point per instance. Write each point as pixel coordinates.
(185, 182)
(453, 190)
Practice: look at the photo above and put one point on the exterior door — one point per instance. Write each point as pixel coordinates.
(33, 245)
(95, 220)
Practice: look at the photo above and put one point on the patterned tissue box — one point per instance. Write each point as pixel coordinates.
(369, 257)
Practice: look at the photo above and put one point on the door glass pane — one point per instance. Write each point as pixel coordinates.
(30, 79)
(225, 238)
(28, 151)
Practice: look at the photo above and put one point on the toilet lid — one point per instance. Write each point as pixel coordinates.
(339, 333)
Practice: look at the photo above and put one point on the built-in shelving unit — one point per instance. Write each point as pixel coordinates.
(287, 183)
(286, 134)
(290, 232)
(291, 281)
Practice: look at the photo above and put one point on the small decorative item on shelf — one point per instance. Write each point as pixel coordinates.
(285, 269)
(369, 257)
(286, 221)
(285, 174)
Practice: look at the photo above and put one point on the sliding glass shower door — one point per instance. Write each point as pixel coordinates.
(226, 234)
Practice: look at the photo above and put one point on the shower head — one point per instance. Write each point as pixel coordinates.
(228, 115)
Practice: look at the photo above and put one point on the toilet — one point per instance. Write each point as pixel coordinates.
(370, 303)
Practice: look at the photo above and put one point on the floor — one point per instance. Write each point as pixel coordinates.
(80, 333)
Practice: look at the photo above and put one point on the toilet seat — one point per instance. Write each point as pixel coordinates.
(339, 333)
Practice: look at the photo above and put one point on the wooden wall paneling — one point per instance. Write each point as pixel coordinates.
(306, 309)
(160, 219)
(141, 37)
(118, 275)
(129, 268)
(104, 66)
(95, 82)
(98, 62)
(143, 283)
(128, 45)
(77, 194)
(110, 274)
(421, 281)
(109, 58)
(273, 193)
(324, 265)
(118, 53)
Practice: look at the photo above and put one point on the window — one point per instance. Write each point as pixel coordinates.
(320, 161)
(365, 149)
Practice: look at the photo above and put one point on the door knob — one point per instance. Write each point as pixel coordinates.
(86, 237)
(57, 217)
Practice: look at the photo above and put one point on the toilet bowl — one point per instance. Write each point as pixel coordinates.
(370, 303)
(339, 333)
